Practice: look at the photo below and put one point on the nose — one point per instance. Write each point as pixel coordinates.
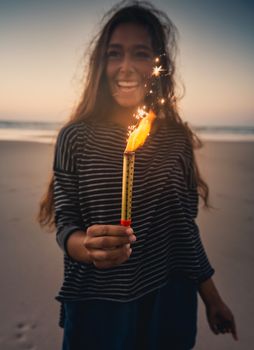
(126, 65)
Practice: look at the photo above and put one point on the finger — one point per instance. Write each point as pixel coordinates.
(235, 336)
(214, 328)
(221, 328)
(108, 230)
(104, 264)
(113, 254)
(227, 329)
(107, 242)
(233, 330)
(230, 327)
(227, 326)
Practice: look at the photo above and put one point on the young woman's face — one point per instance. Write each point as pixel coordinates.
(129, 66)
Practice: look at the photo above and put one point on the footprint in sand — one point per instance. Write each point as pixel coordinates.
(22, 333)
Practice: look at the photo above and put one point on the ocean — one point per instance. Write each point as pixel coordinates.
(46, 132)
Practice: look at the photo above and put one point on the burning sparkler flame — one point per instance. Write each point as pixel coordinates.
(138, 135)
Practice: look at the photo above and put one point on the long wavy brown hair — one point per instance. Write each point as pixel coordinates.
(96, 101)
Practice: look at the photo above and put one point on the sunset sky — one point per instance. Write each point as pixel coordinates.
(42, 46)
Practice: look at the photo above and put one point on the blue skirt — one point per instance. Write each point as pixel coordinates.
(161, 320)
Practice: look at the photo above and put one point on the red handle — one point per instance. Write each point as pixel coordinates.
(126, 222)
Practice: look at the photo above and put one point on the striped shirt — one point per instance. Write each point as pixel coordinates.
(87, 190)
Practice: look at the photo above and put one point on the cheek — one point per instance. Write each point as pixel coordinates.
(110, 71)
(146, 71)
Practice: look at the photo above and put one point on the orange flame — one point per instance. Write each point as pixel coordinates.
(138, 136)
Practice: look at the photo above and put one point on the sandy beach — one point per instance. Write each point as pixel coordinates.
(31, 261)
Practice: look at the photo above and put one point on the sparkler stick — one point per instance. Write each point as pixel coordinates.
(127, 184)
(136, 139)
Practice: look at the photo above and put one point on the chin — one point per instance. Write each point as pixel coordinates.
(127, 103)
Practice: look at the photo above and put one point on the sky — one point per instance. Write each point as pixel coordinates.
(42, 46)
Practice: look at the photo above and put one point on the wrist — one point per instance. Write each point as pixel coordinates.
(75, 247)
(209, 293)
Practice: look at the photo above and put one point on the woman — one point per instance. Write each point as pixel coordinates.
(136, 287)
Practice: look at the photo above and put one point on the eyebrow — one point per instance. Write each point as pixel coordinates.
(138, 46)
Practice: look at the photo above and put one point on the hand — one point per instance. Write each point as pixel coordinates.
(108, 245)
(221, 319)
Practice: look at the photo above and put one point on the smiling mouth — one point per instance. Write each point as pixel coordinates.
(127, 86)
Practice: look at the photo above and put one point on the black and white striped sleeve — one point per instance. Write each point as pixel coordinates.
(206, 270)
(66, 203)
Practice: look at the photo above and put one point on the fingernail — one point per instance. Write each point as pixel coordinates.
(129, 231)
(133, 238)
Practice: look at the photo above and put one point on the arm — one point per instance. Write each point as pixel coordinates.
(219, 316)
(75, 247)
(208, 292)
(68, 217)
(103, 245)
(206, 271)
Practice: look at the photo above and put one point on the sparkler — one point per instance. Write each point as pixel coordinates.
(137, 137)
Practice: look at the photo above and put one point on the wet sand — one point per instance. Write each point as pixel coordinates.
(31, 262)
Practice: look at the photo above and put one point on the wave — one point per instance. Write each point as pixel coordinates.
(30, 125)
(46, 132)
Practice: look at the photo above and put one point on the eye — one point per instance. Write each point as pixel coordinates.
(112, 54)
(143, 55)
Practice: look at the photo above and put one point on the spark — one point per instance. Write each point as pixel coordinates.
(157, 59)
(162, 101)
(140, 114)
(157, 70)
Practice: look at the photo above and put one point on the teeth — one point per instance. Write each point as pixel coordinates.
(127, 84)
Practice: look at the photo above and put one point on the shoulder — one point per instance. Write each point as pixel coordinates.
(180, 137)
(69, 134)
(66, 146)
(181, 142)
